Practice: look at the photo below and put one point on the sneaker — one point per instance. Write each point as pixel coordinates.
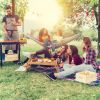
(21, 68)
(50, 76)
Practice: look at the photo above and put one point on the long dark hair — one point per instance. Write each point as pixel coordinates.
(74, 52)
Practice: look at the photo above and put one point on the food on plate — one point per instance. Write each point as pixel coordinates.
(40, 60)
(49, 61)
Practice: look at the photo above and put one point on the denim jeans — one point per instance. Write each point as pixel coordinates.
(68, 69)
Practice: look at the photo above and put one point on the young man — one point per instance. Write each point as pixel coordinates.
(10, 23)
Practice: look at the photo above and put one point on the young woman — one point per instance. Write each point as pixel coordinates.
(88, 64)
(72, 56)
(44, 38)
(43, 35)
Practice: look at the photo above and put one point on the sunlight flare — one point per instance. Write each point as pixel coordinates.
(43, 13)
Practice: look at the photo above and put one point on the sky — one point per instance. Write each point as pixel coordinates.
(42, 13)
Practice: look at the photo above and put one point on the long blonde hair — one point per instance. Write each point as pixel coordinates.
(41, 34)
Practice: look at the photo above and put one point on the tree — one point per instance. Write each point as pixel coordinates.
(3, 3)
(93, 5)
(21, 9)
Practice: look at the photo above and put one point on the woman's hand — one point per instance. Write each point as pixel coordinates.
(61, 65)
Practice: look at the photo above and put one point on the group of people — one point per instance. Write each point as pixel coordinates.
(46, 40)
(71, 61)
(78, 64)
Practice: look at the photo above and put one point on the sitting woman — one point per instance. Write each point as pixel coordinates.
(61, 54)
(72, 56)
(88, 64)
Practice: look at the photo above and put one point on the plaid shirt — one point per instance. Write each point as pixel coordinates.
(91, 58)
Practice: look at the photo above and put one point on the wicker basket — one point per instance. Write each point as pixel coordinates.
(86, 77)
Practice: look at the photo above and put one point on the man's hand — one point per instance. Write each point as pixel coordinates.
(18, 23)
(61, 65)
(14, 23)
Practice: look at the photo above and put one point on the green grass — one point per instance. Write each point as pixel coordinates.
(35, 86)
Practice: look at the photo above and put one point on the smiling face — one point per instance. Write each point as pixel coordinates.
(69, 52)
(86, 43)
(45, 32)
(9, 11)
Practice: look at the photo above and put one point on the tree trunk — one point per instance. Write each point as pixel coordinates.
(99, 30)
(95, 13)
(13, 7)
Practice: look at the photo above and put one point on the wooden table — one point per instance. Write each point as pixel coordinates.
(53, 63)
(17, 43)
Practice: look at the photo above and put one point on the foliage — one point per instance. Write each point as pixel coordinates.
(3, 3)
(21, 8)
(76, 6)
(82, 12)
(67, 6)
(90, 33)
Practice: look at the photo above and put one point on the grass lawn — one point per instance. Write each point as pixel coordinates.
(35, 86)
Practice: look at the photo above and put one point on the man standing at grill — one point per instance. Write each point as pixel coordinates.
(10, 23)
